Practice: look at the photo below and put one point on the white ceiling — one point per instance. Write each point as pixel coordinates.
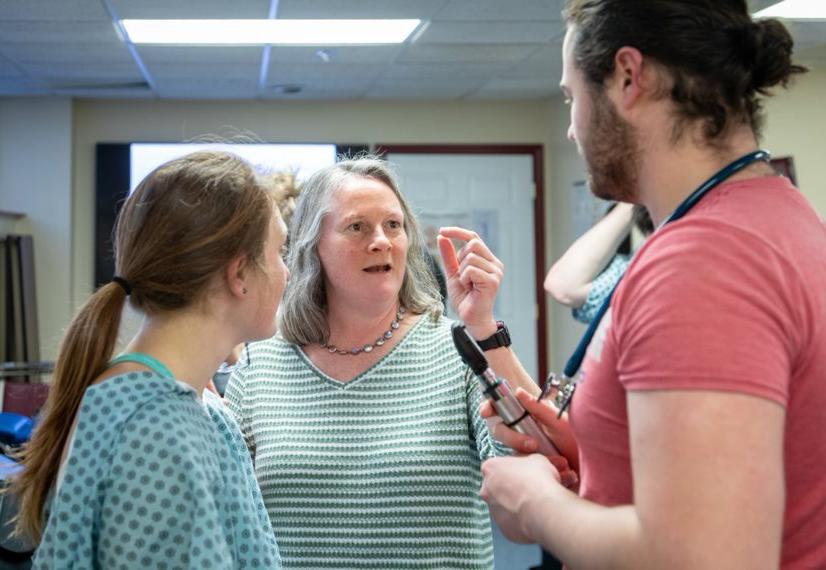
(467, 49)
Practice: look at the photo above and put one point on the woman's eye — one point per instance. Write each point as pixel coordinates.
(393, 224)
(356, 227)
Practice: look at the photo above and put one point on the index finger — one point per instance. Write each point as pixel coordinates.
(473, 242)
(448, 254)
(486, 409)
(458, 233)
(542, 411)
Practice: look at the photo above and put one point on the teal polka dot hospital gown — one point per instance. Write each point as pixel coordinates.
(156, 479)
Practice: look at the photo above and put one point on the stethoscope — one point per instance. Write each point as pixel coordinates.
(566, 383)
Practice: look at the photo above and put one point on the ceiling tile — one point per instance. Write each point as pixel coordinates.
(446, 32)
(480, 49)
(88, 72)
(11, 87)
(52, 10)
(349, 84)
(323, 95)
(422, 9)
(497, 10)
(341, 54)
(207, 9)
(208, 88)
(345, 88)
(67, 52)
(755, 5)
(480, 53)
(285, 72)
(196, 71)
(546, 62)
(50, 31)
(201, 54)
(105, 93)
(443, 70)
(413, 89)
(9, 70)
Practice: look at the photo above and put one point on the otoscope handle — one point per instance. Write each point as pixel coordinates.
(516, 417)
(498, 391)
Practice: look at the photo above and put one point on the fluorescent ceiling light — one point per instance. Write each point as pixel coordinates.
(795, 10)
(278, 32)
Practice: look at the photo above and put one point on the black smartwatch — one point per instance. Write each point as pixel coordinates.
(502, 337)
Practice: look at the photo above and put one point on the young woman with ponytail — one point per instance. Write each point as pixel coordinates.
(128, 467)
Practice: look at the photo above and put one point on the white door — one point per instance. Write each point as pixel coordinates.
(492, 195)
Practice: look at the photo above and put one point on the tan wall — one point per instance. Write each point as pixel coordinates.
(796, 126)
(35, 180)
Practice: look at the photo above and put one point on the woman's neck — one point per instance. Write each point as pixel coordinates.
(189, 343)
(354, 326)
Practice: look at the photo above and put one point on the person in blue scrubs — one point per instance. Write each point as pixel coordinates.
(589, 269)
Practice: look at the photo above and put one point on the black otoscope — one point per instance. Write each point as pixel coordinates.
(499, 392)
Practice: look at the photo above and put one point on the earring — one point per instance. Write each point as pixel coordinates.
(244, 290)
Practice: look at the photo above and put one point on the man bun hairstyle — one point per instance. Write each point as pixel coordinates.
(719, 61)
(773, 56)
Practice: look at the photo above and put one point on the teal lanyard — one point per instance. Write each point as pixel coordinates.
(150, 362)
(566, 384)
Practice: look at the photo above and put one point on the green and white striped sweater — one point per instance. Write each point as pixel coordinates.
(378, 472)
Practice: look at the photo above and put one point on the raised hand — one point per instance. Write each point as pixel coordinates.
(473, 275)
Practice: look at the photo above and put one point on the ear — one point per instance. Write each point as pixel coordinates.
(237, 274)
(628, 76)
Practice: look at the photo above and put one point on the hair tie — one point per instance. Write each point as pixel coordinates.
(124, 284)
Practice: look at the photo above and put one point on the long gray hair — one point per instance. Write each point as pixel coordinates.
(302, 318)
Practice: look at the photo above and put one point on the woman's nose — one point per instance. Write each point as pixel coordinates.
(380, 240)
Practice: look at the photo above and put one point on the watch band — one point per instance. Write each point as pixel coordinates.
(500, 338)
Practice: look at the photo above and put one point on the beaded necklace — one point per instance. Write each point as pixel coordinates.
(394, 326)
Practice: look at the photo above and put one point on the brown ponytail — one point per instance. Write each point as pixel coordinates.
(84, 352)
(184, 223)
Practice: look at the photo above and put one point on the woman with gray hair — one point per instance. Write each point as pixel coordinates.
(360, 417)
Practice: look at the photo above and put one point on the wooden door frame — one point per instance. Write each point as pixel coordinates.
(536, 151)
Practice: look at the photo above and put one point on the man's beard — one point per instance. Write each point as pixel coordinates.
(611, 153)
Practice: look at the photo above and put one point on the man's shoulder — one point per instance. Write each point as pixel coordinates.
(716, 253)
(776, 234)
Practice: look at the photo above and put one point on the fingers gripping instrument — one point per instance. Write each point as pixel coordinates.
(499, 392)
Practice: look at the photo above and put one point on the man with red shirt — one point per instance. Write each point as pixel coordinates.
(700, 415)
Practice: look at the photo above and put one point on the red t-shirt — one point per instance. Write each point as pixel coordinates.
(732, 297)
